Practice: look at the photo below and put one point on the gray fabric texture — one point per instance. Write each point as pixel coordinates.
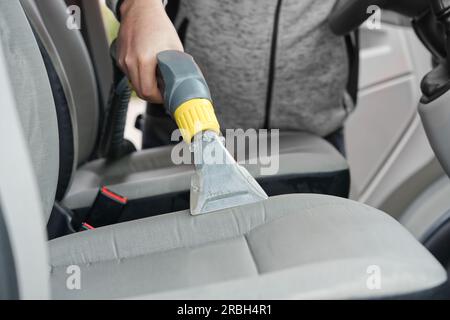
(71, 60)
(152, 172)
(231, 42)
(20, 201)
(294, 246)
(33, 96)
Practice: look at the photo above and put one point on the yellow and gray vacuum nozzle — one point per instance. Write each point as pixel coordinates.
(219, 182)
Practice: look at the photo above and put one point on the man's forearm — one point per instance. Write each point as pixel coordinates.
(145, 30)
(114, 5)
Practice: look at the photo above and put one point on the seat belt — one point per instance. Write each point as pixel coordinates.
(106, 210)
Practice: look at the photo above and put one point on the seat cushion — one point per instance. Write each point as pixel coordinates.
(292, 246)
(151, 173)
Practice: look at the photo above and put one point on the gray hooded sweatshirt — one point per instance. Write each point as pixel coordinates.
(269, 63)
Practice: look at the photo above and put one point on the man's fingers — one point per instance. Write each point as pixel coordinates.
(142, 74)
(123, 67)
(133, 73)
(147, 79)
(156, 95)
(121, 53)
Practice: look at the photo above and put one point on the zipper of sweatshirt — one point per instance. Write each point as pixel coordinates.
(273, 56)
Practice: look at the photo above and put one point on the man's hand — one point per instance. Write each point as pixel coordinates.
(145, 31)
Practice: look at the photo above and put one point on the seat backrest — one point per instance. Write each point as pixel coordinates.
(33, 96)
(70, 58)
(73, 83)
(29, 144)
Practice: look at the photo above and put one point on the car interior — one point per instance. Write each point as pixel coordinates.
(329, 217)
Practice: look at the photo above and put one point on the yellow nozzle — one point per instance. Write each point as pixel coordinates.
(195, 116)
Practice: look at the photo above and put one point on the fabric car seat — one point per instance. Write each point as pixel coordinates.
(291, 246)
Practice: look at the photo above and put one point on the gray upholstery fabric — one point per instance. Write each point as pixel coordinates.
(151, 172)
(296, 246)
(74, 67)
(33, 96)
(20, 201)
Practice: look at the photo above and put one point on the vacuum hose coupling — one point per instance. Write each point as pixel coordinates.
(186, 95)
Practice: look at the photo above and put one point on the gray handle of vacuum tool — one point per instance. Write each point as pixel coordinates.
(180, 79)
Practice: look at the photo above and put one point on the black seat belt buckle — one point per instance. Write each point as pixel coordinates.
(107, 208)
